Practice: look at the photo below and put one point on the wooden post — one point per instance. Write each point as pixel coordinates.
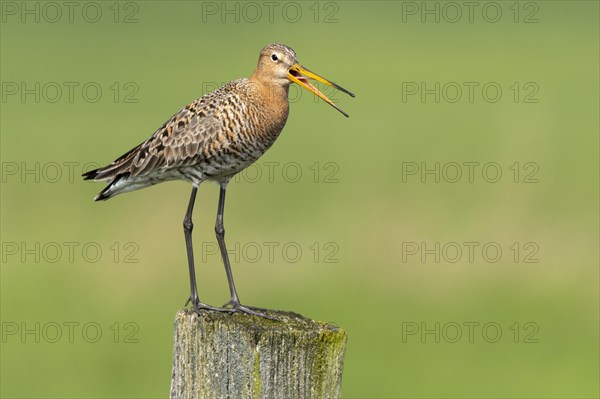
(220, 355)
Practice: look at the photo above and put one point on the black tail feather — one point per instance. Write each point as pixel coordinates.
(112, 174)
(91, 175)
(104, 194)
(108, 191)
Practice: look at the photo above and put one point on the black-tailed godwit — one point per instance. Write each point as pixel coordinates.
(213, 138)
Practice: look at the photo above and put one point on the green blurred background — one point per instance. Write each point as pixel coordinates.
(362, 209)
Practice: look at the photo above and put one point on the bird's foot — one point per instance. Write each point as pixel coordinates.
(232, 304)
(197, 305)
(236, 306)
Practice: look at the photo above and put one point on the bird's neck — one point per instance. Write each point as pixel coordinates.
(272, 100)
(271, 87)
(272, 94)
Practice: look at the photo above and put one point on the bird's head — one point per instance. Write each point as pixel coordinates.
(278, 65)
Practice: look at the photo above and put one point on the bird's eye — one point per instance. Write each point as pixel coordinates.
(274, 57)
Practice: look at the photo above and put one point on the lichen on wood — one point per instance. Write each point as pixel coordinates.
(221, 355)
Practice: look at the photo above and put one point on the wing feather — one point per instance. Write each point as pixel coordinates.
(188, 137)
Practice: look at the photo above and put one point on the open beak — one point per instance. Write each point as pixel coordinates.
(298, 74)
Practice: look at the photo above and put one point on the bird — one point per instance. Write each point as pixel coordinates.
(212, 139)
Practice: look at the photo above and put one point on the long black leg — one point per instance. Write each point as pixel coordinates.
(220, 231)
(188, 226)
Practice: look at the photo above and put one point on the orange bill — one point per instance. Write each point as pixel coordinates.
(299, 74)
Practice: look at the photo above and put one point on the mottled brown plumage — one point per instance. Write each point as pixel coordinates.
(213, 138)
